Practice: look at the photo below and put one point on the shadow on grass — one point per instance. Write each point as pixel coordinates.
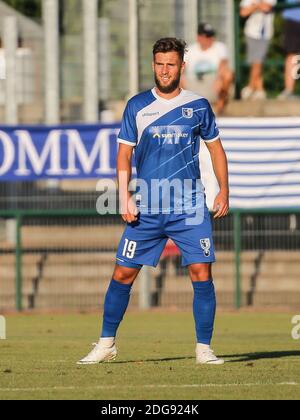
(251, 357)
(166, 359)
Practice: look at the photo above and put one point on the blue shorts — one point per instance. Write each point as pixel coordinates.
(144, 241)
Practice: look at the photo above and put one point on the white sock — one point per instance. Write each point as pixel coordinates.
(107, 342)
(202, 347)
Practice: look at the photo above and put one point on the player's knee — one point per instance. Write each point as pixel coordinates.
(200, 272)
(125, 275)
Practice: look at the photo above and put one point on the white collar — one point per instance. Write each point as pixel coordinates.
(168, 101)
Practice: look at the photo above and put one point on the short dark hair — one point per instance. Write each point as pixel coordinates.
(207, 30)
(166, 45)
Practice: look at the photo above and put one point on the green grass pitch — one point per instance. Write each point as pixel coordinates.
(156, 358)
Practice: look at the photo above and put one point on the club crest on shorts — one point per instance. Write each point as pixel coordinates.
(187, 112)
(206, 245)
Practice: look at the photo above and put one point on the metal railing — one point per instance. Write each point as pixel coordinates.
(256, 250)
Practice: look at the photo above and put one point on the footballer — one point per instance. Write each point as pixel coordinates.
(164, 127)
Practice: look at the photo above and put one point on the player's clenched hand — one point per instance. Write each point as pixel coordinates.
(130, 211)
(221, 205)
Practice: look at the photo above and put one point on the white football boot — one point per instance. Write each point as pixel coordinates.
(206, 356)
(104, 351)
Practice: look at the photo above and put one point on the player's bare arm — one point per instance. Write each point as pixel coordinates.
(247, 11)
(225, 74)
(263, 7)
(124, 171)
(220, 165)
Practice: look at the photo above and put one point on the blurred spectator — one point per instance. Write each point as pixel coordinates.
(292, 49)
(259, 31)
(2, 74)
(207, 68)
(2, 62)
(25, 74)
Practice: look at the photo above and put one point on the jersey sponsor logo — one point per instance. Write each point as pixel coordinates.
(170, 135)
(187, 113)
(206, 245)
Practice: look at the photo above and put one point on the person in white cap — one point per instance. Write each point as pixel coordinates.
(207, 68)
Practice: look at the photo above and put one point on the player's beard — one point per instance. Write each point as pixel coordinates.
(169, 88)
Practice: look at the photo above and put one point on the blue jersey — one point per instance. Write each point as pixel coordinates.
(166, 135)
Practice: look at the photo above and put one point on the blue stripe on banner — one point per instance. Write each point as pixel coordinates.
(265, 127)
(271, 150)
(263, 208)
(232, 173)
(266, 196)
(260, 185)
(262, 162)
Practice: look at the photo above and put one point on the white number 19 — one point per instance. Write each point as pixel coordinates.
(129, 249)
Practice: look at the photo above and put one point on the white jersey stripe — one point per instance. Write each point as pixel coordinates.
(158, 109)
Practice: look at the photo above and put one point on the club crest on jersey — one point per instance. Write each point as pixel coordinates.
(206, 245)
(187, 112)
